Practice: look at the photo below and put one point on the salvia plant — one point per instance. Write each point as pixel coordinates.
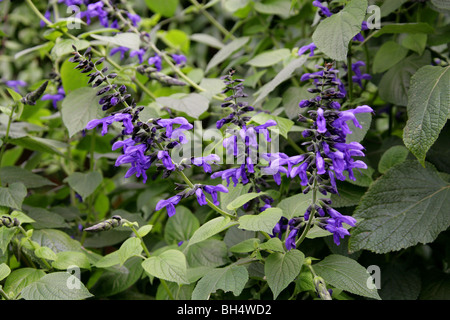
(224, 150)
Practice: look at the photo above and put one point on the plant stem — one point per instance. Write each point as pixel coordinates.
(6, 137)
(311, 215)
(3, 294)
(216, 23)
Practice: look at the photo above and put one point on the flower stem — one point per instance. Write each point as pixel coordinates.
(311, 215)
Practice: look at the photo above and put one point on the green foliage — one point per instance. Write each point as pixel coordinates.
(57, 179)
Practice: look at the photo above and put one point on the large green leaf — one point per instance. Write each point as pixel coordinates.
(170, 265)
(281, 76)
(428, 109)
(211, 228)
(334, 33)
(231, 278)
(181, 226)
(193, 104)
(84, 183)
(13, 195)
(165, 8)
(226, 52)
(12, 174)
(389, 54)
(243, 199)
(395, 83)
(295, 206)
(20, 278)
(269, 58)
(56, 286)
(392, 156)
(407, 205)
(265, 221)
(282, 268)
(79, 107)
(346, 274)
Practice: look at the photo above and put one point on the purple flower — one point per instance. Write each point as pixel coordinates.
(135, 19)
(320, 121)
(177, 133)
(60, 95)
(320, 163)
(169, 204)
(166, 159)
(134, 155)
(15, 84)
(290, 240)
(212, 190)
(322, 8)
(205, 162)
(139, 53)
(359, 76)
(122, 51)
(311, 47)
(156, 61)
(201, 199)
(96, 10)
(105, 122)
(179, 59)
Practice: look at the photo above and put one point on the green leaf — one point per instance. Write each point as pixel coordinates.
(334, 33)
(72, 78)
(209, 253)
(4, 271)
(273, 244)
(79, 107)
(56, 286)
(56, 240)
(6, 235)
(243, 199)
(282, 268)
(395, 83)
(45, 253)
(43, 145)
(20, 278)
(274, 7)
(388, 55)
(295, 206)
(415, 213)
(415, 42)
(64, 47)
(226, 52)
(127, 40)
(13, 195)
(428, 109)
(349, 195)
(84, 183)
(281, 76)
(231, 278)
(208, 40)
(131, 247)
(269, 58)
(247, 245)
(391, 157)
(346, 274)
(117, 279)
(181, 226)
(176, 39)
(31, 180)
(419, 27)
(265, 221)
(210, 228)
(193, 104)
(165, 8)
(66, 259)
(170, 265)
(283, 124)
(144, 230)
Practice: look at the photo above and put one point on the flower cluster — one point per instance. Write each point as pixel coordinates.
(328, 158)
(242, 141)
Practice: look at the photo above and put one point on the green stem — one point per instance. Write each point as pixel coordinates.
(142, 241)
(216, 23)
(3, 294)
(210, 204)
(6, 137)
(349, 73)
(166, 287)
(32, 244)
(311, 215)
